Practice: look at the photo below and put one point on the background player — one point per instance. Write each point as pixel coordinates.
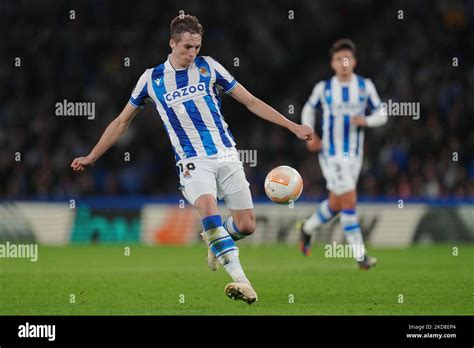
(344, 99)
(184, 90)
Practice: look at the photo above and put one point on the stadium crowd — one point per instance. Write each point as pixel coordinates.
(94, 51)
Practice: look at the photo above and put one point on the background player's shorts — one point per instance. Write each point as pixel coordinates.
(222, 177)
(341, 174)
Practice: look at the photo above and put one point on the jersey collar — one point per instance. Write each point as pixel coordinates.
(345, 83)
(170, 66)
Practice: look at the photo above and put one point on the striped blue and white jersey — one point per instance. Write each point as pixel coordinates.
(340, 101)
(189, 104)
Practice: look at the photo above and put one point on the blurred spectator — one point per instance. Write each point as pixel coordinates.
(279, 59)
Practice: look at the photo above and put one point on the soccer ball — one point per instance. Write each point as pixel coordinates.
(283, 184)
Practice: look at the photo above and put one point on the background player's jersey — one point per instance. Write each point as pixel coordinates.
(189, 105)
(340, 101)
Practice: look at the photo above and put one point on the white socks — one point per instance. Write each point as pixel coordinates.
(323, 214)
(223, 246)
(351, 228)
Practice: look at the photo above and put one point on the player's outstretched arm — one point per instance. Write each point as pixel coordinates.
(265, 111)
(111, 134)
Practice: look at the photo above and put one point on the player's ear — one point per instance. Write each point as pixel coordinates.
(355, 62)
(172, 43)
(333, 64)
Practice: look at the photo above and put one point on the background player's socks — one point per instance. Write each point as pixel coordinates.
(223, 246)
(323, 214)
(351, 228)
(232, 229)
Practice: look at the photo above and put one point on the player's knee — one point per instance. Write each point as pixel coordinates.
(348, 201)
(334, 204)
(206, 205)
(246, 224)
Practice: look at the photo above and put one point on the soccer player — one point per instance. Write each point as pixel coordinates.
(344, 99)
(186, 92)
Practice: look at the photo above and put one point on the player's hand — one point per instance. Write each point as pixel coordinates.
(359, 121)
(315, 144)
(303, 132)
(81, 163)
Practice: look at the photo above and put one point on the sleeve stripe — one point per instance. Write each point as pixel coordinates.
(315, 106)
(233, 84)
(140, 92)
(134, 104)
(223, 77)
(140, 98)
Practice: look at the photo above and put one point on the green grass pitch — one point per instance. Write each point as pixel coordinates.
(176, 281)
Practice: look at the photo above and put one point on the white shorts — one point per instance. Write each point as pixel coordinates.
(341, 174)
(222, 177)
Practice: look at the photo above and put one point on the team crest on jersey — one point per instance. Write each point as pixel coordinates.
(203, 71)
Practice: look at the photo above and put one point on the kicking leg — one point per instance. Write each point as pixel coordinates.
(240, 224)
(224, 249)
